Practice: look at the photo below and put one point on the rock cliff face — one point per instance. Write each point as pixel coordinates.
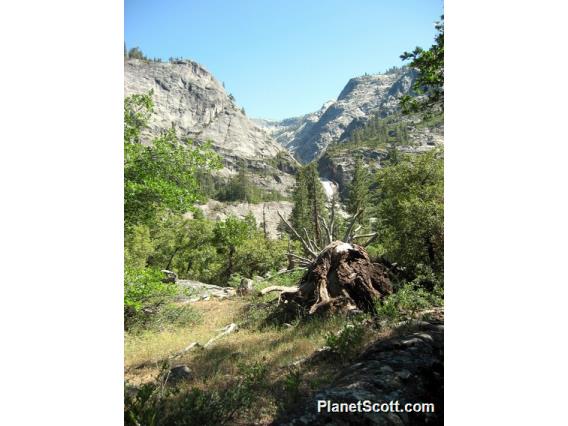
(188, 97)
(362, 97)
(337, 163)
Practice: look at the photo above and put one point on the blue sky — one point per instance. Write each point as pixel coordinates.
(282, 58)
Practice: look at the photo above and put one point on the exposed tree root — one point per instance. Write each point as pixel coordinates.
(342, 278)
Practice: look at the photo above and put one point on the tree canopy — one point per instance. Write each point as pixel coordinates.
(429, 85)
(162, 174)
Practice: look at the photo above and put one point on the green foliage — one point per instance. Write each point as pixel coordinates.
(348, 340)
(135, 53)
(154, 404)
(410, 211)
(138, 246)
(241, 188)
(408, 300)
(144, 293)
(233, 232)
(162, 175)
(258, 255)
(358, 198)
(205, 250)
(309, 203)
(230, 234)
(377, 133)
(429, 85)
(291, 384)
(167, 316)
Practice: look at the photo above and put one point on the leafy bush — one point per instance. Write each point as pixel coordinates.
(408, 300)
(144, 293)
(155, 404)
(258, 256)
(348, 340)
(138, 246)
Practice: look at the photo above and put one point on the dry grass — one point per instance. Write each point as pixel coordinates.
(274, 347)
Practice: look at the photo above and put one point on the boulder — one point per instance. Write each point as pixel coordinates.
(179, 373)
(246, 287)
(169, 276)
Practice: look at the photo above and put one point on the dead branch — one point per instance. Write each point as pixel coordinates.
(278, 288)
(312, 243)
(185, 350)
(370, 240)
(372, 234)
(225, 330)
(346, 238)
(326, 229)
(304, 244)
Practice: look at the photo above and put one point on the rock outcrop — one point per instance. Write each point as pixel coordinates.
(188, 97)
(407, 368)
(362, 97)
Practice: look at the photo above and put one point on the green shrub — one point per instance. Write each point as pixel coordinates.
(291, 384)
(137, 246)
(166, 317)
(408, 300)
(258, 256)
(348, 340)
(155, 404)
(144, 293)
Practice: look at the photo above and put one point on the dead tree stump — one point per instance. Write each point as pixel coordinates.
(342, 278)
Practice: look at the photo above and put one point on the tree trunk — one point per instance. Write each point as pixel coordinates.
(168, 266)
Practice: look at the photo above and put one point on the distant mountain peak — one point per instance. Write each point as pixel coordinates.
(362, 97)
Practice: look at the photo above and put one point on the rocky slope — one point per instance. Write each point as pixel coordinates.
(189, 97)
(337, 163)
(362, 97)
(407, 368)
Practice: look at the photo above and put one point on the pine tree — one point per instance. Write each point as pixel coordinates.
(309, 203)
(359, 191)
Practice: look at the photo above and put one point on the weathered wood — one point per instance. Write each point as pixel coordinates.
(304, 244)
(194, 345)
(347, 236)
(278, 288)
(342, 278)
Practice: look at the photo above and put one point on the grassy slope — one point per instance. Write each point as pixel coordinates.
(270, 346)
(275, 347)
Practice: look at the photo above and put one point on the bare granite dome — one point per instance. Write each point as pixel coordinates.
(189, 97)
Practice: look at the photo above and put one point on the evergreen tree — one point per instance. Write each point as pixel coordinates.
(136, 53)
(430, 81)
(309, 203)
(359, 191)
(301, 212)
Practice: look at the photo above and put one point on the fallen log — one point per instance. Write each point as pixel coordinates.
(225, 330)
(278, 288)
